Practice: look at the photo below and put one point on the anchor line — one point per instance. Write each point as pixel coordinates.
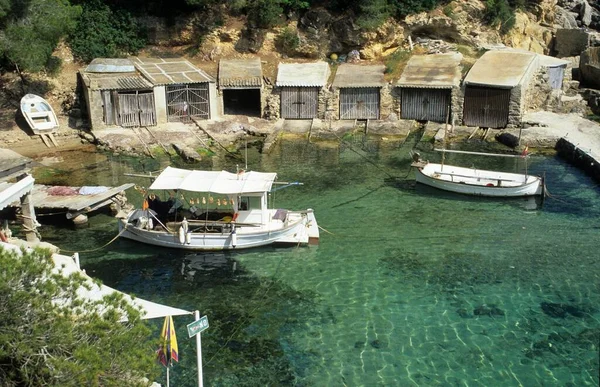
(101, 247)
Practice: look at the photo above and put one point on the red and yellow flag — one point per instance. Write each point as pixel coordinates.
(168, 351)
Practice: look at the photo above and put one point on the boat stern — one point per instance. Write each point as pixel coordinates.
(312, 227)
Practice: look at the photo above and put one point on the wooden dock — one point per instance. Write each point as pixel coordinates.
(74, 201)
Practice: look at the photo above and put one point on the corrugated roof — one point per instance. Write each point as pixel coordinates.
(131, 81)
(436, 71)
(169, 71)
(353, 75)
(303, 74)
(240, 73)
(110, 65)
(502, 69)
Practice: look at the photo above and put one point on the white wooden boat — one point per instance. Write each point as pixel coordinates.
(472, 181)
(211, 210)
(39, 114)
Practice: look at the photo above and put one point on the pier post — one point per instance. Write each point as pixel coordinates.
(29, 221)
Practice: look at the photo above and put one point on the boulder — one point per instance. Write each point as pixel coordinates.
(585, 13)
(186, 153)
(251, 40)
(565, 19)
(589, 67)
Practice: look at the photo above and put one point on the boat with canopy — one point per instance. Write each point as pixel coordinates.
(215, 210)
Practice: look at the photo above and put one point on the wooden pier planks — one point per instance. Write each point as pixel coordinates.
(74, 203)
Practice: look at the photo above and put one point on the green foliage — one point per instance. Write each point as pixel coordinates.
(264, 13)
(104, 33)
(51, 336)
(373, 13)
(287, 41)
(407, 7)
(448, 10)
(498, 13)
(394, 64)
(33, 29)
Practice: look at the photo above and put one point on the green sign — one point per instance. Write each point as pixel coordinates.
(197, 326)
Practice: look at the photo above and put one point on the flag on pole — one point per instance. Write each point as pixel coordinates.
(168, 350)
(525, 151)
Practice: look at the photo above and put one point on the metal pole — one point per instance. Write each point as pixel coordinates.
(198, 351)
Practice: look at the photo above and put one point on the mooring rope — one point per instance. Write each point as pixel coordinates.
(99, 248)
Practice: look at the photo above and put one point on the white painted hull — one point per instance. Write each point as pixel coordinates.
(479, 182)
(39, 114)
(301, 228)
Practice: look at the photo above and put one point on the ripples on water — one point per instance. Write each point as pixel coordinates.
(409, 285)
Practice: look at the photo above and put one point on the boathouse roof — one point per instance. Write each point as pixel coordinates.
(170, 71)
(435, 71)
(303, 74)
(128, 81)
(240, 73)
(501, 69)
(110, 65)
(357, 76)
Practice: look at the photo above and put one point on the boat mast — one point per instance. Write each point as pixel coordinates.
(445, 135)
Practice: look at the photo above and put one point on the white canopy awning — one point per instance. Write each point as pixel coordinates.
(95, 292)
(222, 182)
(11, 192)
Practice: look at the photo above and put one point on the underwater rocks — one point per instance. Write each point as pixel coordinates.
(488, 310)
(563, 310)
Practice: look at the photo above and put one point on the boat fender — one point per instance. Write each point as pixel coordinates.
(3, 237)
(188, 238)
(150, 224)
(233, 237)
(235, 216)
(183, 230)
(181, 235)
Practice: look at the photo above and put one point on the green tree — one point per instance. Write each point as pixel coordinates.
(104, 33)
(32, 29)
(51, 336)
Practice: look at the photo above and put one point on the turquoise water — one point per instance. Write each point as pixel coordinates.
(409, 286)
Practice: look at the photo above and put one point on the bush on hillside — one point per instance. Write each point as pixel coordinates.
(264, 13)
(104, 33)
(287, 41)
(498, 13)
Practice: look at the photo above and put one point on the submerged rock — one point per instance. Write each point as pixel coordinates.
(562, 310)
(488, 310)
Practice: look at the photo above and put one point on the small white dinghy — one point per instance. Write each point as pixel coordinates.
(215, 210)
(481, 182)
(39, 114)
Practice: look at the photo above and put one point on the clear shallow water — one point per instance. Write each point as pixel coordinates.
(409, 286)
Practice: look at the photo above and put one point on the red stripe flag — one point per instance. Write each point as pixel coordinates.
(168, 350)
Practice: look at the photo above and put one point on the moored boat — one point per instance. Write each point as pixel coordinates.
(39, 114)
(215, 210)
(481, 182)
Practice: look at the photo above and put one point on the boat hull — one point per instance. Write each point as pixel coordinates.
(479, 182)
(39, 114)
(301, 229)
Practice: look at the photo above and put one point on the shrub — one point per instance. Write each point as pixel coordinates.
(498, 13)
(287, 41)
(264, 13)
(102, 33)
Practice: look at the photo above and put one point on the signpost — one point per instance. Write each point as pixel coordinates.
(197, 326)
(194, 329)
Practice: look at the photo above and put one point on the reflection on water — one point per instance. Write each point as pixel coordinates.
(207, 266)
(409, 285)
